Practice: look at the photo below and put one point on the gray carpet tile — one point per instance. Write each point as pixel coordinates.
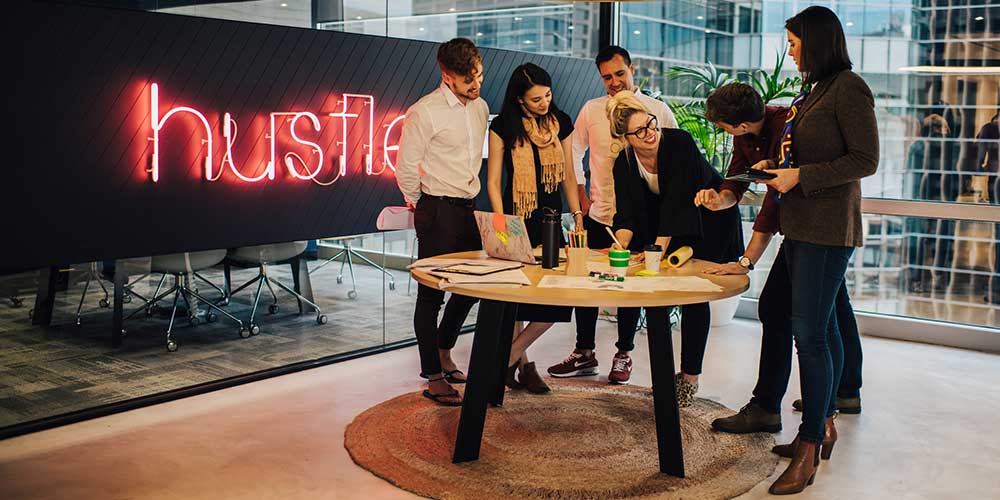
(46, 371)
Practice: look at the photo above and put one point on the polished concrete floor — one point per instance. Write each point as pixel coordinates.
(927, 431)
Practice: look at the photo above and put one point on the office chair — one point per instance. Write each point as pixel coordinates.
(182, 267)
(262, 256)
(398, 219)
(348, 253)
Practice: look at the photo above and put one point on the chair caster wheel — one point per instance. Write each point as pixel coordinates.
(340, 279)
(16, 302)
(127, 299)
(254, 329)
(171, 346)
(352, 294)
(149, 311)
(392, 285)
(211, 317)
(273, 308)
(124, 332)
(321, 319)
(194, 321)
(78, 321)
(244, 333)
(31, 314)
(103, 303)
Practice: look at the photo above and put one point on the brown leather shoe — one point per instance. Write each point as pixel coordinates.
(801, 472)
(826, 448)
(844, 405)
(532, 380)
(511, 381)
(751, 418)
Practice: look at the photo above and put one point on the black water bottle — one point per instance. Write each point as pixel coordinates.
(550, 238)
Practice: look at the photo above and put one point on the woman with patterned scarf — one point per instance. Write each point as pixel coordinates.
(530, 141)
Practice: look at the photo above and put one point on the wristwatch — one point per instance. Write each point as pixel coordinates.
(746, 262)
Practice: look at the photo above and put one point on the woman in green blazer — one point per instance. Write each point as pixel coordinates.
(829, 143)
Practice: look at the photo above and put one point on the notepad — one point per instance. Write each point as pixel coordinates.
(479, 269)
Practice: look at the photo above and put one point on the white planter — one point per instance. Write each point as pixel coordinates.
(724, 310)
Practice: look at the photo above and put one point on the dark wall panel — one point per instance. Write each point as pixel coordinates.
(76, 184)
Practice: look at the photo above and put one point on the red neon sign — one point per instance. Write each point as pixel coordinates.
(309, 168)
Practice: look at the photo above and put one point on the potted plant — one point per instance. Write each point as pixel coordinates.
(715, 143)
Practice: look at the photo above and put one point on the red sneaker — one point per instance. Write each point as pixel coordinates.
(621, 369)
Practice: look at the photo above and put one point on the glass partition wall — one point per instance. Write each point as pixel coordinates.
(934, 67)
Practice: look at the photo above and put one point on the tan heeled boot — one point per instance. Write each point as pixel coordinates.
(826, 448)
(801, 472)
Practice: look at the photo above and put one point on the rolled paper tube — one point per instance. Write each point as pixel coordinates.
(680, 256)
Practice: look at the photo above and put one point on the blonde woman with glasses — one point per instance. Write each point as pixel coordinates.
(656, 175)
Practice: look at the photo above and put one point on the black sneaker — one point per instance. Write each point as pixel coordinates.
(751, 418)
(576, 365)
(850, 406)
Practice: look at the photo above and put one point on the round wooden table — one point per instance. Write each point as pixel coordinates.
(495, 328)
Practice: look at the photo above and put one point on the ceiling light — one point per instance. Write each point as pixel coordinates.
(849, 24)
(479, 33)
(421, 28)
(517, 18)
(636, 32)
(979, 18)
(700, 17)
(953, 70)
(359, 18)
(284, 5)
(571, 27)
(529, 42)
(451, 9)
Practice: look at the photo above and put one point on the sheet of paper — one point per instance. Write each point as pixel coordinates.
(433, 262)
(514, 276)
(480, 268)
(633, 284)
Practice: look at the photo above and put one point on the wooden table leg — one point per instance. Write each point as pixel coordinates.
(480, 387)
(118, 329)
(504, 339)
(303, 285)
(45, 296)
(661, 364)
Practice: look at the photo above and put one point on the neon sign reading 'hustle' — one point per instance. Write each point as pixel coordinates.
(313, 168)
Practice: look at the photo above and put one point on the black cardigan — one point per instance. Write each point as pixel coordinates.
(682, 172)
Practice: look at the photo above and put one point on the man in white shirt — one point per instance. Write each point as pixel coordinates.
(593, 132)
(440, 155)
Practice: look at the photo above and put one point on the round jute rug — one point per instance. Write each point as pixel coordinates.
(583, 440)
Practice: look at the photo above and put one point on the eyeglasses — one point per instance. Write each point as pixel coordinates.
(642, 132)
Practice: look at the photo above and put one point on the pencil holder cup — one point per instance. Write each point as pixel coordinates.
(576, 261)
(619, 260)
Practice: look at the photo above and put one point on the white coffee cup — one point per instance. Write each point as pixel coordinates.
(653, 255)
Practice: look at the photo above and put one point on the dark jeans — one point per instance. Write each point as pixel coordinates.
(443, 226)
(695, 322)
(586, 317)
(776, 342)
(816, 273)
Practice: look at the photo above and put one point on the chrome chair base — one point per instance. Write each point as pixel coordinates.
(182, 290)
(262, 279)
(349, 254)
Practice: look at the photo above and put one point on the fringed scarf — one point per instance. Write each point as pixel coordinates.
(545, 136)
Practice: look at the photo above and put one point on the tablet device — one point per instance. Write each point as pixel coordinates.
(751, 175)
